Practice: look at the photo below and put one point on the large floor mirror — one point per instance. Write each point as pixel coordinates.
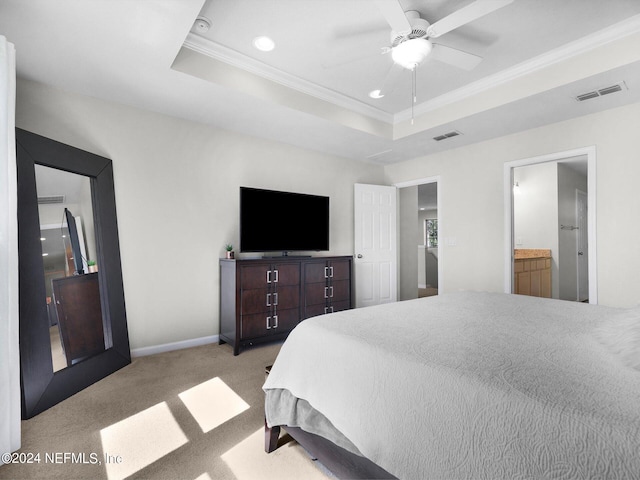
(73, 328)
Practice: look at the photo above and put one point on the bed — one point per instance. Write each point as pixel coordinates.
(465, 386)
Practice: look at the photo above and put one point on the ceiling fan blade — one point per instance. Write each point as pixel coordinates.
(349, 31)
(391, 80)
(394, 15)
(354, 57)
(467, 14)
(455, 57)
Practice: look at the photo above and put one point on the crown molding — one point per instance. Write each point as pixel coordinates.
(610, 34)
(236, 59)
(224, 54)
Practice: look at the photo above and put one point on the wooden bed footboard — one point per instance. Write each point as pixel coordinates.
(271, 435)
(340, 462)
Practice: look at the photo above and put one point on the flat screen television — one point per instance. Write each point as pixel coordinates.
(75, 242)
(274, 221)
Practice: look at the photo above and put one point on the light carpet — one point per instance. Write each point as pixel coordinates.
(193, 414)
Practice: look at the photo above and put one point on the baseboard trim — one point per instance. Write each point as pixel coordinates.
(169, 347)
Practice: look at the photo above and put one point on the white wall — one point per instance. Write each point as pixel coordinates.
(535, 206)
(409, 235)
(472, 182)
(176, 188)
(9, 329)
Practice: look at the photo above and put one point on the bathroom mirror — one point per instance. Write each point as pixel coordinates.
(73, 328)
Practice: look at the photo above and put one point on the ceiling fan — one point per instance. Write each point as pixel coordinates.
(411, 38)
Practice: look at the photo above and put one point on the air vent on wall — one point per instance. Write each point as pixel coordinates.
(50, 199)
(439, 138)
(618, 87)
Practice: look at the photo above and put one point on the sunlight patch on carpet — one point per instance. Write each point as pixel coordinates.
(140, 440)
(212, 403)
(204, 476)
(288, 461)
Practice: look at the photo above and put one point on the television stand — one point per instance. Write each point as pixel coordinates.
(286, 255)
(263, 299)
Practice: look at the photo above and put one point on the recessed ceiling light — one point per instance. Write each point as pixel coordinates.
(375, 94)
(45, 254)
(42, 239)
(264, 44)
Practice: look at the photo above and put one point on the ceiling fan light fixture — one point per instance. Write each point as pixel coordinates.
(411, 53)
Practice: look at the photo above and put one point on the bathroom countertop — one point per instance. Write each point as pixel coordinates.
(524, 253)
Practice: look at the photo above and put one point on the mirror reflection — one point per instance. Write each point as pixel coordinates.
(72, 284)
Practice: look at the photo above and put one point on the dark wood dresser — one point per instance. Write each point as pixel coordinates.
(77, 301)
(264, 299)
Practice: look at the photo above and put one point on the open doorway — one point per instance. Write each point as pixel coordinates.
(420, 264)
(428, 246)
(550, 217)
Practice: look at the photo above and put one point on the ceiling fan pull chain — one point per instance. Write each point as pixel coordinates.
(415, 84)
(413, 91)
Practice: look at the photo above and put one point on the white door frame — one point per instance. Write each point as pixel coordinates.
(421, 181)
(579, 237)
(590, 152)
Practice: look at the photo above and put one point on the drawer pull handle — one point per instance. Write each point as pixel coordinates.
(275, 298)
(275, 279)
(268, 299)
(275, 321)
(331, 272)
(268, 323)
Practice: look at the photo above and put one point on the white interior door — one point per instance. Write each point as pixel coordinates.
(583, 246)
(375, 217)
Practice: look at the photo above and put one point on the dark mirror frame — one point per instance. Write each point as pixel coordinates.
(41, 387)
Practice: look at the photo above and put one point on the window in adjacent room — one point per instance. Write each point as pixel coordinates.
(431, 232)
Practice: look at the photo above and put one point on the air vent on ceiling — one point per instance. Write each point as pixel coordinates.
(611, 89)
(618, 87)
(587, 96)
(50, 199)
(439, 138)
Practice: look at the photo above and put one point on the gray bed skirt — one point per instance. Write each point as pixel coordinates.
(283, 408)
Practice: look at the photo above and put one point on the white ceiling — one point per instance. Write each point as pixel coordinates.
(312, 90)
(53, 182)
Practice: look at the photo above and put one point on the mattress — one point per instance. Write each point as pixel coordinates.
(464, 385)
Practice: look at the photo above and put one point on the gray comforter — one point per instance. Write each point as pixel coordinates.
(464, 386)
